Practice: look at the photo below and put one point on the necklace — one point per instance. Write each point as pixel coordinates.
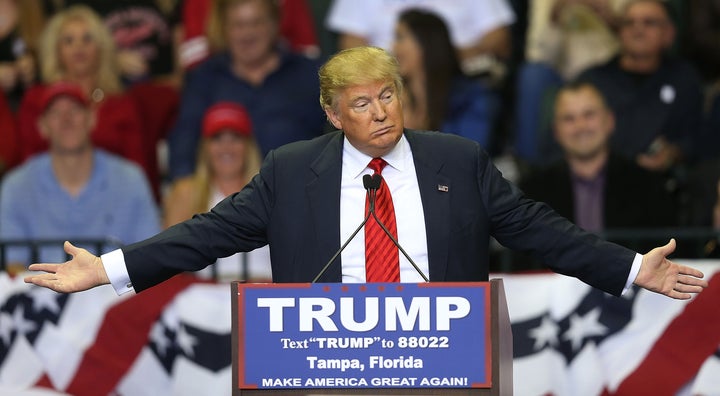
(97, 95)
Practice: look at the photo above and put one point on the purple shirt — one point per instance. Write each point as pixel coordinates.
(589, 201)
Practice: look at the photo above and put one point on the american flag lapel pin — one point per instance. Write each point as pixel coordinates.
(443, 188)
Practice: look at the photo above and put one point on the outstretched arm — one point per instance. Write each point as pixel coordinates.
(84, 271)
(663, 276)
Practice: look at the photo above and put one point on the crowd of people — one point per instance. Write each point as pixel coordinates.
(128, 117)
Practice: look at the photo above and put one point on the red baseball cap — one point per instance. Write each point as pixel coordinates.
(55, 90)
(226, 115)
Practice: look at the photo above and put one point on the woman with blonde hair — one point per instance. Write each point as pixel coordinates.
(228, 158)
(76, 47)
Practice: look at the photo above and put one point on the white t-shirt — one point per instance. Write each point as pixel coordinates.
(467, 20)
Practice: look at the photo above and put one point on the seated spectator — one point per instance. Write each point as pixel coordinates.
(656, 99)
(228, 159)
(76, 47)
(437, 95)
(145, 33)
(278, 88)
(590, 185)
(297, 30)
(564, 37)
(21, 22)
(73, 190)
(479, 29)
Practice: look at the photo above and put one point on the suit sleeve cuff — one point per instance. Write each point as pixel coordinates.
(633, 272)
(114, 263)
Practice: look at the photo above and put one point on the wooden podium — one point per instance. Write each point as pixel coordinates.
(500, 365)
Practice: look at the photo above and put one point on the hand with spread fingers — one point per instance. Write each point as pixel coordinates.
(84, 271)
(661, 275)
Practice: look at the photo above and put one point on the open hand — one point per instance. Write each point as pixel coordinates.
(663, 276)
(84, 271)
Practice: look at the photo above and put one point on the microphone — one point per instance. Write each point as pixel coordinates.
(376, 180)
(371, 185)
(372, 182)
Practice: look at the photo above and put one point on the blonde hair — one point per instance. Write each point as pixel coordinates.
(217, 20)
(356, 66)
(202, 178)
(108, 77)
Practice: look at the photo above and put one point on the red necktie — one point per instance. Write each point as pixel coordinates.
(382, 263)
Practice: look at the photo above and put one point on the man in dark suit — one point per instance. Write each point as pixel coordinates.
(449, 200)
(591, 184)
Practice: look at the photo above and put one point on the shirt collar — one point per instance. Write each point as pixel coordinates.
(598, 178)
(355, 162)
(97, 178)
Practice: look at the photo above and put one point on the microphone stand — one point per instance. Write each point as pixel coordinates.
(371, 184)
(392, 238)
(367, 183)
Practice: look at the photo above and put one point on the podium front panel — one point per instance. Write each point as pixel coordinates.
(362, 336)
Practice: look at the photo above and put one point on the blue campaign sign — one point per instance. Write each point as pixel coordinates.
(375, 335)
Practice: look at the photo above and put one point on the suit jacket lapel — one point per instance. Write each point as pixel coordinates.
(323, 191)
(435, 190)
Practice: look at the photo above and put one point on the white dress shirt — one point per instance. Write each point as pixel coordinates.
(399, 174)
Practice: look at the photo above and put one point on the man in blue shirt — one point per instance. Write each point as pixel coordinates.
(73, 188)
(279, 89)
